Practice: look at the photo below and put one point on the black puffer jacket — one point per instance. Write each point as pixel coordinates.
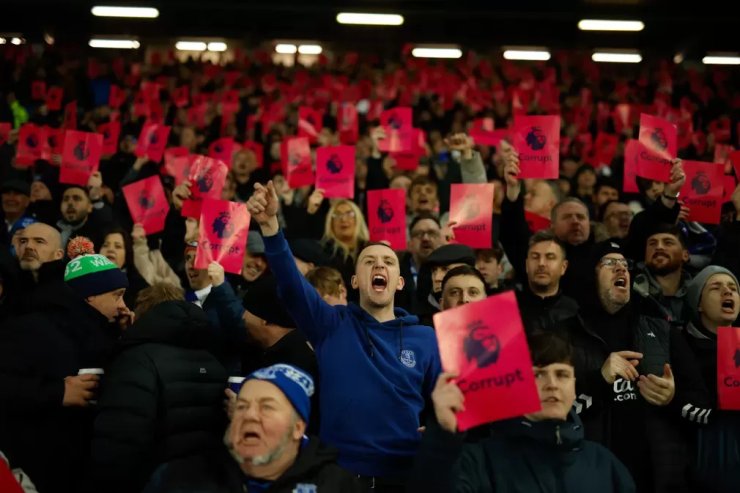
(161, 398)
(37, 351)
(315, 470)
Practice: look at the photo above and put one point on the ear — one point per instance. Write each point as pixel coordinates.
(401, 283)
(685, 256)
(354, 282)
(58, 254)
(565, 267)
(299, 429)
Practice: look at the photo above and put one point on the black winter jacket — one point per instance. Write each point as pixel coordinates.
(544, 313)
(521, 456)
(315, 469)
(37, 351)
(161, 398)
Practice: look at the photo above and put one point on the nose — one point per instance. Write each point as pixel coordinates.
(541, 261)
(549, 381)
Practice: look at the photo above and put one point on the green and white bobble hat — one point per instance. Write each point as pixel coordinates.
(93, 274)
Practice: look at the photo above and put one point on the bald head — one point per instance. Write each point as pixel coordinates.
(38, 244)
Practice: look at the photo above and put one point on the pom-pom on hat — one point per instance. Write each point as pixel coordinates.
(90, 275)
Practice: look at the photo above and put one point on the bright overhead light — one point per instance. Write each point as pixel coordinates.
(122, 44)
(536, 55)
(724, 59)
(216, 46)
(616, 57)
(191, 45)
(607, 25)
(370, 19)
(438, 52)
(2, 41)
(139, 12)
(678, 58)
(16, 41)
(309, 49)
(285, 49)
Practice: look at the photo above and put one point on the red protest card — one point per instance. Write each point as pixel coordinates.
(295, 153)
(484, 343)
(116, 97)
(631, 150)
(257, 149)
(223, 150)
(222, 235)
(536, 222)
(728, 368)
(471, 207)
(111, 132)
(5, 129)
(537, 140)
(347, 124)
(177, 161)
(54, 98)
(81, 156)
(399, 140)
(152, 141)
(31, 140)
(70, 116)
(735, 160)
(397, 118)
(386, 210)
(207, 176)
(38, 90)
(604, 149)
(335, 171)
(230, 101)
(54, 143)
(310, 123)
(728, 186)
(147, 203)
(483, 132)
(181, 96)
(702, 192)
(659, 144)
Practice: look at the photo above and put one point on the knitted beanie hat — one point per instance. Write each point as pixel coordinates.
(90, 275)
(696, 286)
(296, 384)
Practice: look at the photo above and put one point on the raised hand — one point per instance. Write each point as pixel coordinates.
(448, 400)
(263, 206)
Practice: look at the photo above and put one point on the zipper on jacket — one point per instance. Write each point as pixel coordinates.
(558, 439)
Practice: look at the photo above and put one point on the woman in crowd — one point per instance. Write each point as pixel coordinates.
(345, 234)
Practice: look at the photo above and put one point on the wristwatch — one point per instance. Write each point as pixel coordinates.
(671, 197)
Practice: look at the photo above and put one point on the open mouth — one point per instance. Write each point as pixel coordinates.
(250, 436)
(379, 283)
(621, 282)
(728, 306)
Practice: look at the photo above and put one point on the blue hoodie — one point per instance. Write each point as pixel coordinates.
(375, 377)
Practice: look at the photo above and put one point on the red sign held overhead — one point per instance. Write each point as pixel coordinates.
(31, 142)
(297, 165)
(116, 97)
(631, 150)
(207, 179)
(81, 156)
(484, 343)
(347, 124)
(110, 132)
(310, 123)
(728, 368)
(152, 141)
(537, 140)
(223, 150)
(703, 191)
(335, 171)
(54, 98)
(5, 129)
(147, 203)
(38, 90)
(658, 147)
(222, 235)
(386, 210)
(471, 207)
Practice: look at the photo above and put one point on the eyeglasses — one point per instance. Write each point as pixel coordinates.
(611, 263)
(343, 215)
(431, 233)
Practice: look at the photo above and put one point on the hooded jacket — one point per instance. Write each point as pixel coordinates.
(375, 377)
(161, 398)
(520, 456)
(315, 469)
(675, 309)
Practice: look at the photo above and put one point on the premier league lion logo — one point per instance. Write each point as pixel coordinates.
(222, 226)
(658, 138)
(482, 344)
(80, 151)
(145, 202)
(204, 182)
(395, 122)
(536, 140)
(385, 211)
(334, 164)
(32, 141)
(701, 184)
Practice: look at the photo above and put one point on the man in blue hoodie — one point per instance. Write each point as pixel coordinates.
(377, 365)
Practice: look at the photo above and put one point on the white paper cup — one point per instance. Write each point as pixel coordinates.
(92, 371)
(235, 384)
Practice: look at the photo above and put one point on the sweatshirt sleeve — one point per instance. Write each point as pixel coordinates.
(515, 235)
(312, 315)
(473, 170)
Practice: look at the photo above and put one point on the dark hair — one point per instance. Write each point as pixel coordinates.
(421, 216)
(547, 348)
(670, 229)
(567, 200)
(602, 210)
(462, 270)
(421, 181)
(128, 243)
(490, 253)
(602, 182)
(546, 235)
